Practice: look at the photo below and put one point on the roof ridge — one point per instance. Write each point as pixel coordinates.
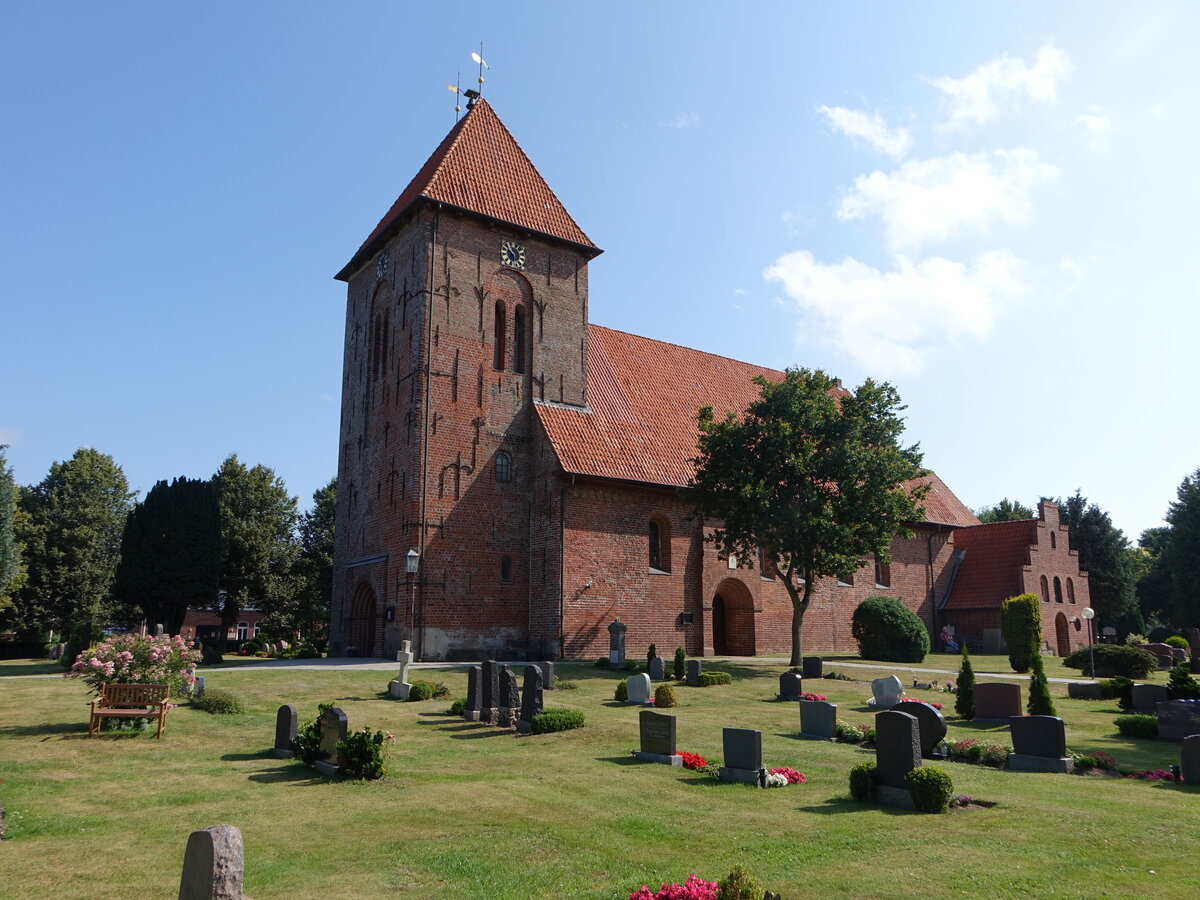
(642, 337)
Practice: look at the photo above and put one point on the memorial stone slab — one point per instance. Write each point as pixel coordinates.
(1164, 653)
(212, 865)
(547, 668)
(333, 729)
(1083, 690)
(818, 720)
(1178, 719)
(198, 686)
(474, 694)
(812, 667)
(490, 691)
(791, 686)
(1193, 637)
(1189, 759)
(657, 738)
(1146, 697)
(285, 732)
(638, 688)
(885, 692)
(1039, 745)
(616, 642)
(743, 755)
(694, 668)
(656, 669)
(999, 700)
(508, 702)
(897, 747)
(930, 723)
(531, 698)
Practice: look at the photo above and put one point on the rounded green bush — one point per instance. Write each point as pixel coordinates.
(621, 694)
(708, 679)
(664, 696)
(1113, 659)
(888, 630)
(220, 702)
(739, 884)
(932, 789)
(1177, 641)
(1137, 726)
(421, 690)
(458, 707)
(556, 720)
(861, 777)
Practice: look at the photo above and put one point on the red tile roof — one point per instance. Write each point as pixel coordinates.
(991, 570)
(640, 428)
(480, 167)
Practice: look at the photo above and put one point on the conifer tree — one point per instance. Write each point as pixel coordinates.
(1039, 703)
(964, 702)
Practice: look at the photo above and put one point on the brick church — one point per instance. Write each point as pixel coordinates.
(508, 476)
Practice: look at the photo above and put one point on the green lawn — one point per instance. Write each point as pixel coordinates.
(471, 811)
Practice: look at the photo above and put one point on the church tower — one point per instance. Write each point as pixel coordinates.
(465, 305)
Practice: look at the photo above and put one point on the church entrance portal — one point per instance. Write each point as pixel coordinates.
(360, 627)
(733, 620)
(1063, 635)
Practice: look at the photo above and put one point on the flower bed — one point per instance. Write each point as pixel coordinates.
(693, 760)
(784, 776)
(693, 889)
(810, 696)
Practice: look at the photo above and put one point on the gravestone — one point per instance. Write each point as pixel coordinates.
(693, 672)
(490, 691)
(399, 688)
(547, 668)
(1178, 719)
(656, 669)
(743, 756)
(638, 689)
(999, 700)
(818, 720)
(285, 732)
(531, 698)
(657, 733)
(1189, 759)
(885, 692)
(931, 724)
(1179, 654)
(1039, 745)
(791, 686)
(897, 752)
(1163, 653)
(198, 686)
(1083, 690)
(1193, 637)
(333, 729)
(616, 643)
(212, 865)
(812, 667)
(474, 694)
(508, 702)
(1146, 697)
(158, 630)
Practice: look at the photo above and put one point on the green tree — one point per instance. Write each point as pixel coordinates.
(964, 698)
(1004, 511)
(258, 547)
(1181, 555)
(1101, 547)
(72, 538)
(171, 552)
(1039, 702)
(307, 610)
(12, 568)
(813, 474)
(1021, 625)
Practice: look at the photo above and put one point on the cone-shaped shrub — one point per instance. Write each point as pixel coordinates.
(964, 702)
(1039, 703)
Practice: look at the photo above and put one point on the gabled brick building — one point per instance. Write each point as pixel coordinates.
(521, 460)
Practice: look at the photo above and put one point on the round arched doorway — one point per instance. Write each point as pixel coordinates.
(1062, 635)
(733, 619)
(360, 624)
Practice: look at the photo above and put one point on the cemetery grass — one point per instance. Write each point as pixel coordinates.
(470, 811)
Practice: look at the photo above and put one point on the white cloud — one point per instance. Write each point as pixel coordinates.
(873, 129)
(892, 321)
(976, 98)
(683, 120)
(11, 435)
(739, 292)
(1158, 108)
(1098, 126)
(933, 199)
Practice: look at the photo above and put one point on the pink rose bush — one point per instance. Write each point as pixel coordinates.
(133, 659)
(693, 889)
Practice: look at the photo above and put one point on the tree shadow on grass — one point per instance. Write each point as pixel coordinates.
(622, 760)
(297, 772)
(47, 728)
(836, 805)
(1178, 786)
(486, 732)
(243, 757)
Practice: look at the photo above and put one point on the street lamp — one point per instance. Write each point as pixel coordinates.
(1088, 613)
(412, 562)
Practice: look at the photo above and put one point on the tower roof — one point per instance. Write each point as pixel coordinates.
(479, 167)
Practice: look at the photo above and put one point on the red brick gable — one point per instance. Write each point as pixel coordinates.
(991, 571)
(643, 396)
(479, 167)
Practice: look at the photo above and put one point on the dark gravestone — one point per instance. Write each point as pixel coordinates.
(1189, 759)
(656, 669)
(616, 643)
(1000, 700)
(693, 672)
(743, 756)
(1039, 745)
(333, 729)
(1178, 719)
(812, 667)
(790, 686)
(508, 703)
(212, 865)
(531, 698)
(547, 674)
(657, 738)
(490, 691)
(1146, 697)
(897, 747)
(474, 694)
(1163, 653)
(1193, 637)
(931, 724)
(818, 720)
(285, 732)
(1083, 690)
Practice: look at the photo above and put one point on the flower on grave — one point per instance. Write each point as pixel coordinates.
(932, 703)
(1152, 775)
(774, 780)
(694, 889)
(693, 760)
(962, 800)
(808, 695)
(789, 776)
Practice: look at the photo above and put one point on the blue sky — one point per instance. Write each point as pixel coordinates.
(991, 208)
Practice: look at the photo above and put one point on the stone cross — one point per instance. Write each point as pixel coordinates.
(285, 732)
(212, 865)
(400, 688)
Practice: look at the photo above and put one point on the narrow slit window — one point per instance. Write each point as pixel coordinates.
(506, 570)
(503, 466)
(498, 348)
(519, 339)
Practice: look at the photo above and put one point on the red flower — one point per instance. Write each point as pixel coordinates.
(693, 760)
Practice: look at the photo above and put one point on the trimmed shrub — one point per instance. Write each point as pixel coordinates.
(739, 884)
(680, 664)
(1182, 685)
(602, 662)
(664, 696)
(560, 685)
(621, 694)
(1039, 702)
(708, 679)
(220, 702)
(861, 777)
(421, 690)
(556, 720)
(1120, 689)
(888, 630)
(964, 700)
(847, 733)
(1137, 726)
(458, 707)
(364, 754)
(632, 666)
(932, 789)
(1135, 640)
(1177, 641)
(1113, 659)
(1021, 625)
(307, 742)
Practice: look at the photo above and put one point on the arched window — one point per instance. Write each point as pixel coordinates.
(519, 339)
(1057, 590)
(659, 545)
(765, 570)
(1070, 591)
(883, 573)
(1053, 541)
(503, 466)
(498, 345)
(506, 570)
(1045, 590)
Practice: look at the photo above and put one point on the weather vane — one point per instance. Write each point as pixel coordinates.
(471, 94)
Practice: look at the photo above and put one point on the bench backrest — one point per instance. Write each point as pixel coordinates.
(133, 694)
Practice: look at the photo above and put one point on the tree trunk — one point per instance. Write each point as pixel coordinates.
(797, 624)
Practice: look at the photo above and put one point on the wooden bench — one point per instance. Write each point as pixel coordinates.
(130, 701)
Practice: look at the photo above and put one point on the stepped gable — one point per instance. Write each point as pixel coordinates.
(642, 428)
(479, 167)
(991, 570)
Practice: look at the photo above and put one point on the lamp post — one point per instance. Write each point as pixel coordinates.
(1088, 613)
(412, 562)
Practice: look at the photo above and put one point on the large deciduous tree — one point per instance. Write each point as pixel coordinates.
(12, 569)
(1181, 555)
(1102, 554)
(171, 552)
(1004, 511)
(814, 475)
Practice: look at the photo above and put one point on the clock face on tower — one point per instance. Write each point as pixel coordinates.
(512, 254)
(381, 265)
